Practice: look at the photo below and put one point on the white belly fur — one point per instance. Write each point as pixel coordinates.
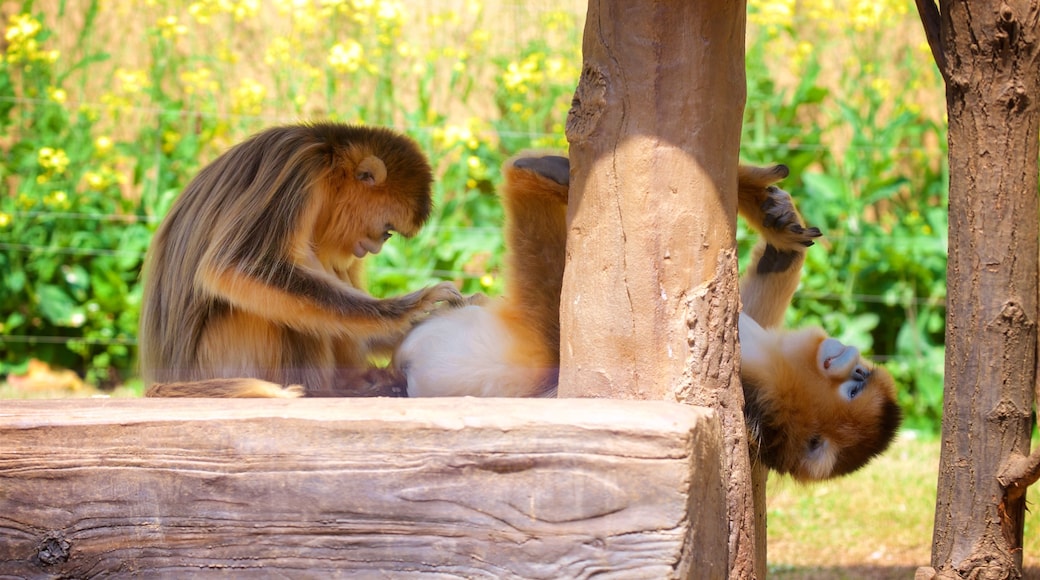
(463, 352)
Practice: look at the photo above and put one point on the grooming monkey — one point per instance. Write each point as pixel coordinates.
(254, 278)
(814, 407)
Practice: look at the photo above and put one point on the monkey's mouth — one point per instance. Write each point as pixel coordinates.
(834, 357)
(828, 361)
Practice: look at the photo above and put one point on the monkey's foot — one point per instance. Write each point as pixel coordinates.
(781, 222)
(552, 167)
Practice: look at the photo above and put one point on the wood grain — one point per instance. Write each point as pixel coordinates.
(473, 488)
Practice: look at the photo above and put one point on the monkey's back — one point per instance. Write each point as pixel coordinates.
(235, 262)
(228, 216)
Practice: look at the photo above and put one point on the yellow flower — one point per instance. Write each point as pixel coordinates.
(103, 144)
(248, 98)
(883, 86)
(169, 27)
(21, 27)
(5, 219)
(346, 57)
(131, 81)
(199, 80)
(170, 140)
(244, 9)
(391, 12)
(771, 13)
(22, 44)
(279, 51)
(487, 280)
(201, 11)
(94, 180)
(57, 200)
(479, 39)
(53, 159)
(57, 95)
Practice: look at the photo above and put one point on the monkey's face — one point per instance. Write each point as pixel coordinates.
(372, 243)
(358, 218)
(819, 409)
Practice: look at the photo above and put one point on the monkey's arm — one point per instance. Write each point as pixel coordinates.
(776, 265)
(315, 301)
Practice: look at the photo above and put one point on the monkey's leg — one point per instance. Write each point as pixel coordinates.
(534, 197)
(775, 269)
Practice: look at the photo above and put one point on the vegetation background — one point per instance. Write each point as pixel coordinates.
(107, 109)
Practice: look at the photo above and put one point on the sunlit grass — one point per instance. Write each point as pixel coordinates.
(880, 516)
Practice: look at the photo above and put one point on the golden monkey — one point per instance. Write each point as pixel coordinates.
(815, 408)
(254, 277)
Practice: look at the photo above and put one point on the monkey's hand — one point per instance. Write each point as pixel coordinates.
(478, 299)
(781, 225)
(426, 300)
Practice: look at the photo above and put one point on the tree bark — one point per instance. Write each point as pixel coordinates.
(650, 296)
(987, 51)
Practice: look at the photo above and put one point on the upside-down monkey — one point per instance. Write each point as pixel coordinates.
(254, 276)
(814, 407)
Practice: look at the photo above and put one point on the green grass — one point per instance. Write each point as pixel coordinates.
(876, 523)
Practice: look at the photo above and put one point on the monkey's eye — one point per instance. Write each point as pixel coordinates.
(814, 443)
(852, 388)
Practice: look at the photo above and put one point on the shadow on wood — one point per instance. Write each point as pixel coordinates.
(459, 487)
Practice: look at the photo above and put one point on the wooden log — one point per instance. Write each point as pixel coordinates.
(474, 488)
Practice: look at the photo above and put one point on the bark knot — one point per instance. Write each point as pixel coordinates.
(1012, 318)
(53, 549)
(588, 104)
(1007, 28)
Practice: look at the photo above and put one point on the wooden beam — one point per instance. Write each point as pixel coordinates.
(475, 488)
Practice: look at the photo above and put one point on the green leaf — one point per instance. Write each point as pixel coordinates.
(57, 306)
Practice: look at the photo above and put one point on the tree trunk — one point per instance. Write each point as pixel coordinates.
(650, 298)
(987, 52)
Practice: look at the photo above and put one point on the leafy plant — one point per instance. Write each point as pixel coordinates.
(108, 109)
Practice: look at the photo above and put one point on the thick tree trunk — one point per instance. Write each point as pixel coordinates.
(650, 298)
(987, 51)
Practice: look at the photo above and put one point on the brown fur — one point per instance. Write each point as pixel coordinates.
(536, 242)
(253, 273)
(799, 421)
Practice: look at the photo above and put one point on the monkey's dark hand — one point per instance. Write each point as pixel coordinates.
(444, 292)
(782, 225)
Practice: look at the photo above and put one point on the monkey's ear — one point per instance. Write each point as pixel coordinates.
(371, 171)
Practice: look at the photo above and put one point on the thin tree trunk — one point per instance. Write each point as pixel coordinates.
(987, 52)
(650, 298)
